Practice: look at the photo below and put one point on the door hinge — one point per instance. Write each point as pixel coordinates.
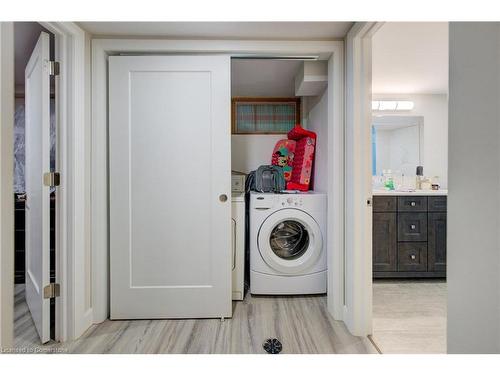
(51, 179)
(54, 68)
(51, 291)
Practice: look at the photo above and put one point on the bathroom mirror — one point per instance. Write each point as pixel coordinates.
(397, 144)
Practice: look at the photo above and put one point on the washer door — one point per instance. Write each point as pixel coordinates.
(290, 241)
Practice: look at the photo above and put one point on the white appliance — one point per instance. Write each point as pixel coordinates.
(238, 244)
(288, 243)
(237, 182)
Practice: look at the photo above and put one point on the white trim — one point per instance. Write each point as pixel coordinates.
(335, 241)
(102, 48)
(73, 309)
(6, 184)
(358, 179)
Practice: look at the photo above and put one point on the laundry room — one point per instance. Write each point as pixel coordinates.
(279, 120)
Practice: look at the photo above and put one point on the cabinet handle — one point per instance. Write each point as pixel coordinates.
(413, 257)
(412, 226)
(412, 204)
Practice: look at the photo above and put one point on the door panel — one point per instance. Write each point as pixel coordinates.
(170, 234)
(37, 138)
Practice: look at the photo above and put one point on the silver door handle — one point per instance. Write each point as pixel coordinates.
(412, 226)
(413, 204)
(413, 257)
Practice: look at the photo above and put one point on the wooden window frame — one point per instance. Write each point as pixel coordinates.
(261, 100)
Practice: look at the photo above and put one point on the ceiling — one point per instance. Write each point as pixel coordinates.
(263, 77)
(391, 122)
(222, 30)
(410, 58)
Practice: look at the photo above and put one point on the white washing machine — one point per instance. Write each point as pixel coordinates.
(288, 243)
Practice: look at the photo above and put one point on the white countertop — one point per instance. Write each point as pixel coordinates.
(417, 192)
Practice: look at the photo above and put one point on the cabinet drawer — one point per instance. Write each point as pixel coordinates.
(412, 256)
(412, 226)
(412, 204)
(384, 204)
(437, 204)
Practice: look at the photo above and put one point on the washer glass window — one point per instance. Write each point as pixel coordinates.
(289, 239)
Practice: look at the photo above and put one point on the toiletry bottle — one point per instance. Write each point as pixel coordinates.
(389, 181)
(419, 177)
(435, 183)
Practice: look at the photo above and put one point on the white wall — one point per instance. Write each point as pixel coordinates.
(248, 152)
(6, 191)
(254, 78)
(434, 109)
(259, 78)
(474, 194)
(317, 121)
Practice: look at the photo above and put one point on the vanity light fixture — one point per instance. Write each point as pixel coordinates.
(392, 105)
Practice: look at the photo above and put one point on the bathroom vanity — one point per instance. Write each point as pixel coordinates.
(409, 234)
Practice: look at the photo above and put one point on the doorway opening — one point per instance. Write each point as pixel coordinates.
(35, 211)
(409, 167)
(270, 96)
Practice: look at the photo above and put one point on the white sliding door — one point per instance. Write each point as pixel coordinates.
(169, 168)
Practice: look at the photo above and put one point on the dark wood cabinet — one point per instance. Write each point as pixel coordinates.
(437, 204)
(409, 236)
(412, 204)
(384, 241)
(384, 204)
(412, 256)
(437, 241)
(412, 226)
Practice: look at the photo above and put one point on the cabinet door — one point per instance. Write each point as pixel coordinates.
(384, 242)
(437, 241)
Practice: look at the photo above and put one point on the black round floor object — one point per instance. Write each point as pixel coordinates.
(272, 346)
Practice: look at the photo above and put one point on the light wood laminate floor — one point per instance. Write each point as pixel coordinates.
(409, 316)
(302, 324)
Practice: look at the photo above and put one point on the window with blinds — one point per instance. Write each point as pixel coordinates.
(264, 115)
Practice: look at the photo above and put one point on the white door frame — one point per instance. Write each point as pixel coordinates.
(72, 207)
(102, 48)
(72, 246)
(6, 185)
(358, 179)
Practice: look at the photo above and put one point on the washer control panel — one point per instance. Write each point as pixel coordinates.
(291, 201)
